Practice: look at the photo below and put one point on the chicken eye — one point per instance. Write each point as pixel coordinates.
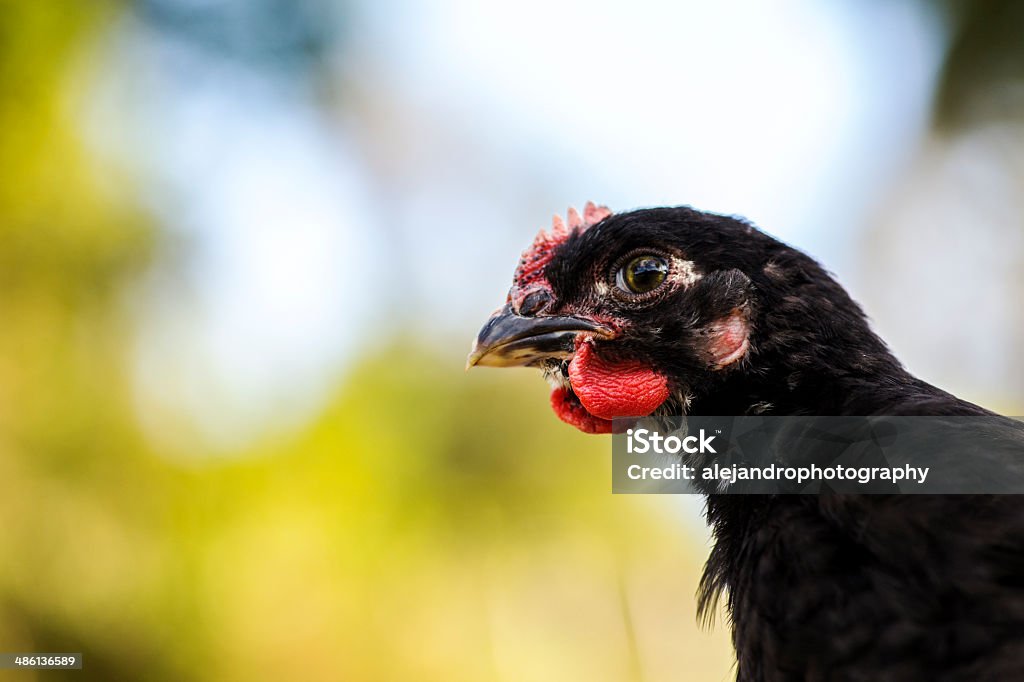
(642, 274)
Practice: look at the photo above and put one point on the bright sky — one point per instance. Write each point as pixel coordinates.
(472, 123)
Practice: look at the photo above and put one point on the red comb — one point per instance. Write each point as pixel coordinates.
(529, 274)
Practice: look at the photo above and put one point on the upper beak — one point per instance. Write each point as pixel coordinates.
(510, 340)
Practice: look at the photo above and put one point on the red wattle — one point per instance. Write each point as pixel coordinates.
(608, 390)
(573, 413)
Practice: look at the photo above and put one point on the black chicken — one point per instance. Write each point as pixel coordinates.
(673, 311)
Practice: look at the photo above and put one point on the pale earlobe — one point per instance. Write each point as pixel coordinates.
(728, 339)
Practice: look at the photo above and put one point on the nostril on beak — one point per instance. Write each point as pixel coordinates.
(534, 302)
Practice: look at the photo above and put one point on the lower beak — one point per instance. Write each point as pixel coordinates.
(510, 340)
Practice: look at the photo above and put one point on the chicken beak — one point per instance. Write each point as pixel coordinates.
(510, 340)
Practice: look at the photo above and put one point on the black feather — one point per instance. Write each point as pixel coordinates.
(823, 587)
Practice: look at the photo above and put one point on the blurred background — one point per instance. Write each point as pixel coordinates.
(244, 246)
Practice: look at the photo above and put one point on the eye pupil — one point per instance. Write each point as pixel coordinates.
(643, 274)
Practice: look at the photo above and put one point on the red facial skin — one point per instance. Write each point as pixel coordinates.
(529, 275)
(607, 390)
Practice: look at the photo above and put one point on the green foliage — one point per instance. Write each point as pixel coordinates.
(984, 66)
(429, 525)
